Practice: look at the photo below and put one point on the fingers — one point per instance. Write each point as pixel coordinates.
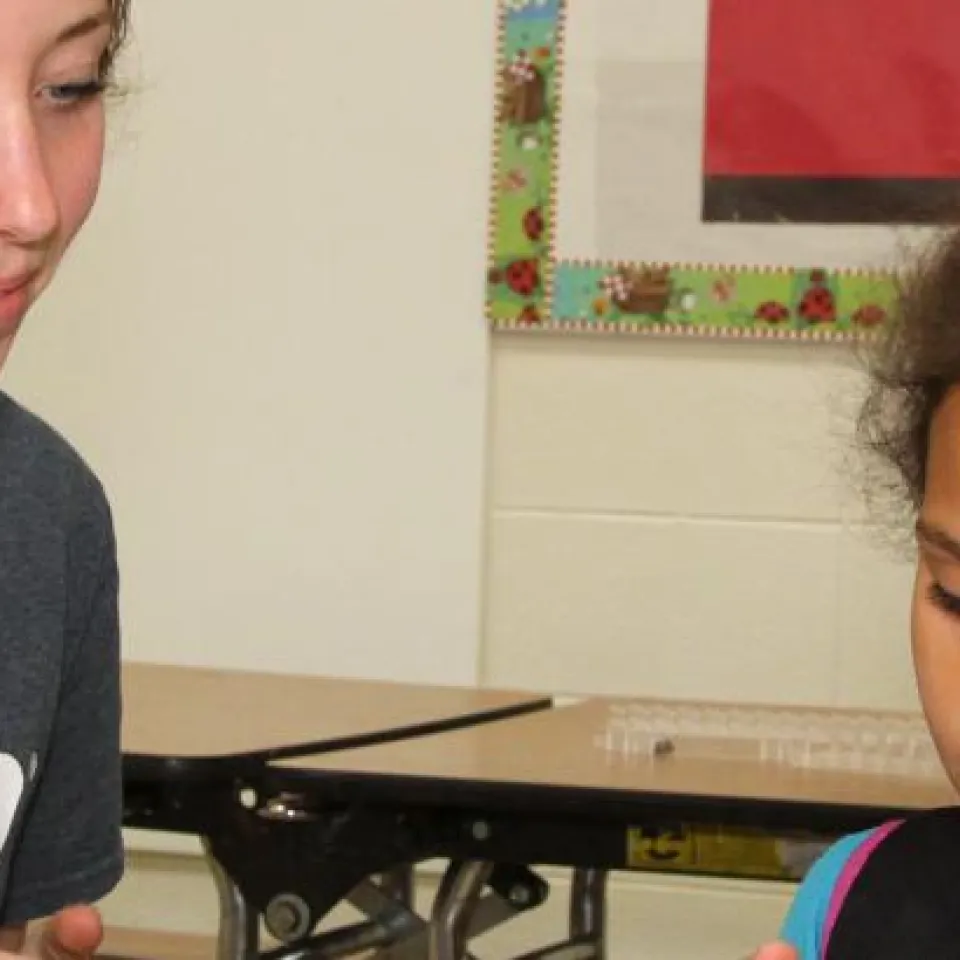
(73, 934)
(776, 951)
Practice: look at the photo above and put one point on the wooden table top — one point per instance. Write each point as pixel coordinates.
(559, 748)
(187, 713)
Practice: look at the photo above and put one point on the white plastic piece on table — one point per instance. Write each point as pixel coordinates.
(822, 739)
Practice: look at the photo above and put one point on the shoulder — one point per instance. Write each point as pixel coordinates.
(813, 911)
(44, 474)
(56, 528)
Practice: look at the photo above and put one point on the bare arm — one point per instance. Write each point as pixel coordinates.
(13, 939)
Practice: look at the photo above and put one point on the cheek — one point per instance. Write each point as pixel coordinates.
(75, 167)
(920, 632)
(936, 655)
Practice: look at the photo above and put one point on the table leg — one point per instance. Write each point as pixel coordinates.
(362, 939)
(404, 929)
(587, 938)
(588, 909)
(453, 910)
(399, 884)
(238, 937)
(490, 911)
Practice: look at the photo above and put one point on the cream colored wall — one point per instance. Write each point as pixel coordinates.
(679, 518)
(269, 339)
(664, 518)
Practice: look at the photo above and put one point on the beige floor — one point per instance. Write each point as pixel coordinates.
(139, 945)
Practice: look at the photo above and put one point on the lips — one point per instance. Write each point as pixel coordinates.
(14, 300)
(15, 284)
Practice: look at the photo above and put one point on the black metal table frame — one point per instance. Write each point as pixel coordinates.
(290, 846)
(195, 795)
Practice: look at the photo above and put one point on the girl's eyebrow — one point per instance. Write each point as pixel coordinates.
(939, 538)
(84, 27)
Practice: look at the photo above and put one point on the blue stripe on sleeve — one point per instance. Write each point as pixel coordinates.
(804, 926)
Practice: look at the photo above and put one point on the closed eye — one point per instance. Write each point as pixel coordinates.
(948, 602)
(70, 94)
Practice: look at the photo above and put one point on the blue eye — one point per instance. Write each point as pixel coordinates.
(69, 94)
(946, 601)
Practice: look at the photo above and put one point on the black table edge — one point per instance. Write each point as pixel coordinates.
(629, 807)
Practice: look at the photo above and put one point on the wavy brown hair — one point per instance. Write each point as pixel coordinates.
(911, 367)
(120, 28)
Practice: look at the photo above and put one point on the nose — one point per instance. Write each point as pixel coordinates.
(29, 214)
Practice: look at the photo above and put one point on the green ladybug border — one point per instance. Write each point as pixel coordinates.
(528, 289)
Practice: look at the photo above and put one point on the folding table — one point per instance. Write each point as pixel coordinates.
(549, 788)
(195, 743)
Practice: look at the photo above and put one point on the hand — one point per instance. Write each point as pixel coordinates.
(776, 951)
(73, 934)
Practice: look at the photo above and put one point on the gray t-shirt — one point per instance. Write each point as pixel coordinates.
(60, 761)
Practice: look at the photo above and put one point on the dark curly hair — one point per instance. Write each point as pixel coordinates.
(120, 28)
(911, 367)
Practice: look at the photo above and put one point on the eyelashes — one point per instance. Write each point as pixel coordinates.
(65, 95)
(948, 602)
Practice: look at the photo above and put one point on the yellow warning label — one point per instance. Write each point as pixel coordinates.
(722, 851)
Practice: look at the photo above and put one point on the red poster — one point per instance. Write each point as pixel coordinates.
(833, 111)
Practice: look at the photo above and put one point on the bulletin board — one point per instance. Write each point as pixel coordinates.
(718, 167)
